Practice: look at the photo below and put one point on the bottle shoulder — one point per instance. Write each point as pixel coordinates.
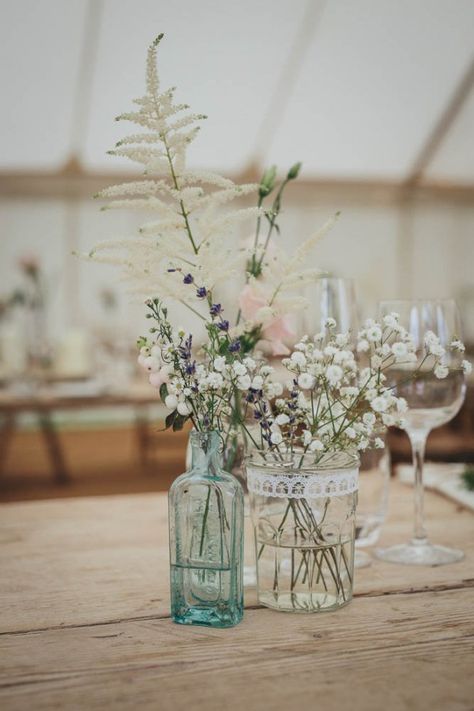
(196, 478)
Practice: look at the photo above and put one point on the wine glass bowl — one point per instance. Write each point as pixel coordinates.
(331, 297)
(433, 398)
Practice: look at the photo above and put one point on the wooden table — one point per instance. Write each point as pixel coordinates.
(44, 404)
(85, 622)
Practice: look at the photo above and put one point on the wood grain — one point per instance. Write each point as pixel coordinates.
(84, 622)
(400, 651)
(103, 559)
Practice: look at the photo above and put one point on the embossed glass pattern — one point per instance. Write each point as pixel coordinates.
(206, 510)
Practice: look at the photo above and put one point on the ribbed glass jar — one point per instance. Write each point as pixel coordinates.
(206, 514)
(303, 516)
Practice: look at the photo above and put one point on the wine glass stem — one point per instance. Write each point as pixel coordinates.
(418, 444)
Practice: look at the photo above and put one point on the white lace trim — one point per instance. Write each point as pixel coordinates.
(303, 486)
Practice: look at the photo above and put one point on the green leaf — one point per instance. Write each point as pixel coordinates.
(179, 422)
(223, 347)
(169, 422)
(163, 391)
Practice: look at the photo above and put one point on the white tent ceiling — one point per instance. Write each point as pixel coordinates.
(352, 88)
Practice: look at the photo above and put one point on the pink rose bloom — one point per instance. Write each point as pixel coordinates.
(276, 330)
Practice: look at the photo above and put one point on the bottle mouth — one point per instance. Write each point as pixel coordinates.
(205, 440)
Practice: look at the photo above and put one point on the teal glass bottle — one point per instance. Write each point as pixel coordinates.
(206, 520)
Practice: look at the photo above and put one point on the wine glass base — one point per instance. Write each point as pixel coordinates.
(362, 559)
(415, 553)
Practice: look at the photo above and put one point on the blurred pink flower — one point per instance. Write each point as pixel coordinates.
(158, 378)
(275, 329)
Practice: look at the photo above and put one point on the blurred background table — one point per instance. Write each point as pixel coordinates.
(57, 442)
(85, 621)
(44, 404)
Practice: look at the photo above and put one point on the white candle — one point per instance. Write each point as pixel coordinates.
(74, 355)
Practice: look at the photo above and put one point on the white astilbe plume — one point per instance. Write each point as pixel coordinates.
(187, 230)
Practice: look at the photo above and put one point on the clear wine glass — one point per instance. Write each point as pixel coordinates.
(335, 297)
(331, 297)
(432, 402)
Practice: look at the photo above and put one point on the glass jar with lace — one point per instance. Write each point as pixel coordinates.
(303, 515)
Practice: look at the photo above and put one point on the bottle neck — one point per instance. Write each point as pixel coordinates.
(206, 456)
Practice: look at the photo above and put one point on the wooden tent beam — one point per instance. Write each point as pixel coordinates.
(73, 183)
(442, 127)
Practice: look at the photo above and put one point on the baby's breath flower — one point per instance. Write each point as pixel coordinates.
(219, 363)
(363, 345)
(239, 368)
(374, 333)
(457, 345)
(441, 371)
(334, 374)
(243, 382)
(437, 350)
(391, 320)
(298, 359)
(306, 381)
(379, 403)
(430, 339)
(249, 363)
(399, 350)
(402, 405)
(467, 367)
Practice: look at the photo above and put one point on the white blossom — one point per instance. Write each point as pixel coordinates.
(391, 320)
(219, 363)
(430, 339)
(437, 350)
(152, 364)
(239, 369)
(399, 350)
(306, 381)
(334, 374)
(457, 345)
(184, 409)
(276, 438)
(171, 402)
(374, 333)
(379, 403)
(298, 358)
(441, 371)
(244, 382)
